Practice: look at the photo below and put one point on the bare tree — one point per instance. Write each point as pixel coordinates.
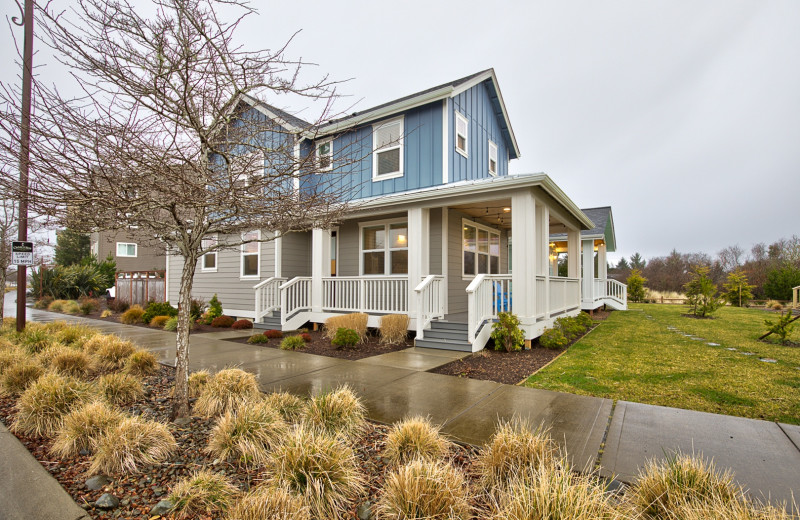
(163, 137)
(731, 258)
(8, 233)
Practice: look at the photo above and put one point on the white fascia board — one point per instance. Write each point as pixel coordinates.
(258, 106)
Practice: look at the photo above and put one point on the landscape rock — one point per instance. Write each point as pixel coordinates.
(364, 511)
(182, 421)
(163, 507)
(97, 482)
(107, 501)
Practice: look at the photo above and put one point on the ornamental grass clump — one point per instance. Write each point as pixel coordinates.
(35, 339)
(197, 382)
(82, 427)
(41, 408)
(74, 335)
(257, 339)
(140, 363)
(415, 438)
(19, 375)
(247, 434)
(268, 502)
(57, 305)
(120, 389)
(171, 324)
(318, 467)
(9, 356)
(131, 444)
(393, 328)
(111, 354)
(718, 509)
(292, 343)
(203, 493)
(71, 362)
(226, 391)
(132, 316)
(425, 490)
(289, 406)
(339, 412)
(158, 322)
(662, 486)
(356, 321)
(515, 447)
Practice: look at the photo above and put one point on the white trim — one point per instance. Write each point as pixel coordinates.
(491, 231)
(166, 272)
(278, 249)
(255, 103)
(135, 250)
(329, 155)
(492, 146)
(256, 276)
(445, 262)
(387, 265)
(445, 140)
(296, 179)
(461, 119)
(399, 145)
(336, 230)
(203, 267)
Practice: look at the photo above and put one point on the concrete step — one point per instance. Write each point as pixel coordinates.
(448, 325)
(444, 344)
(268, 322)
(446, 334)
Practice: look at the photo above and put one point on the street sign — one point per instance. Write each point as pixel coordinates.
(21, 253)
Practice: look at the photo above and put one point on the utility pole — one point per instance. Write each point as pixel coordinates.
(24, 152)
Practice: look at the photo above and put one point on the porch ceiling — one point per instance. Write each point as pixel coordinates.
(498, 213)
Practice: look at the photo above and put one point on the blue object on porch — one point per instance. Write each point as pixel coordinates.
(502, 300)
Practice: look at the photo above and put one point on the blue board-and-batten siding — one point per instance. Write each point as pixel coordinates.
(476, 105)
(422, 157)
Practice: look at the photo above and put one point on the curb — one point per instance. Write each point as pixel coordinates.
(27, 490)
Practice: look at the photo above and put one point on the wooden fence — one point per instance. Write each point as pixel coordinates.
(140, 287)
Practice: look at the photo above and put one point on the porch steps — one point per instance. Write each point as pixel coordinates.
(446, 335)
(271, 321)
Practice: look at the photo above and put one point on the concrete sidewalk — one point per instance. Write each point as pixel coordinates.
(763, 455)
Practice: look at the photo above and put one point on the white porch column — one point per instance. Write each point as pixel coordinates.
(554, 264)
(602, 262)
(419, 256)
(523, 256)
(573, 254)
(320, 265)
(543, 252)
(587, 280)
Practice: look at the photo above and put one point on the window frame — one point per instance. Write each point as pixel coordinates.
(460, 118)
(491, 231)
(493, 147)
(386, 250)
(400, 144)
(203, 267)
(329, 155)
(135, 250)
(242, 254)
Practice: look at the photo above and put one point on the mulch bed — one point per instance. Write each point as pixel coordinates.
(114, 318)
(321, 346)
(138, 493)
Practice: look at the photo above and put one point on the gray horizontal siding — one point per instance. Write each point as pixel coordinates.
(296, 255)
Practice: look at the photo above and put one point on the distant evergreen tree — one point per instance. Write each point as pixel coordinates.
(71, 247)
(637, 262)
(636, 290)
(701, 292)
(737, 291)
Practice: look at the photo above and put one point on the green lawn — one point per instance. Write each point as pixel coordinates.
(633, 358)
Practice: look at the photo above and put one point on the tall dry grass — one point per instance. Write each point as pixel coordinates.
(393, 328)
(269, 502)
(83, 426)
(204, 493)
(415, 438)
(356, 321)
(247, 434)
(131, 444)
(41, 408)
(339, 412)
(226, 391)
(425, 490)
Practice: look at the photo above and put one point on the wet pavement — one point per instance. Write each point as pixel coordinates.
(765, 456)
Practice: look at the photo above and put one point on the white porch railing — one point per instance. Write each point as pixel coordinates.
(598, 289)
(268, 296)
(565, 294)
(295, 297)
(541, 297)
(487, 296)
(616, 290)
(430, 301)
(377, 294)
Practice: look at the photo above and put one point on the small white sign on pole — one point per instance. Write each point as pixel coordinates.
(22, 253)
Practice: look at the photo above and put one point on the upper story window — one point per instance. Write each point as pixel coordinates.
(462, 134)
(325, 155)
(492, 159)
(251, 254)
(210, 258)
(481, 249)
(387, 155)
(127, 249)
(381, 256)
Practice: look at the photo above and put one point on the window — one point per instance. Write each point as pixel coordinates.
(481, 248)
(126, 249)
(492, 159)
(462, 134)
(210, 259)
(384, 249)
(251, 254)
(387, 157)
(325, 155)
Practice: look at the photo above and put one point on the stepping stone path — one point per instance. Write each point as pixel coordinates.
(695, 338)
(768, 360)
(748, 353)
(712, 344)
(731, 349)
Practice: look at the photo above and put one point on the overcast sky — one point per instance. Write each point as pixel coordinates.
(684, 116)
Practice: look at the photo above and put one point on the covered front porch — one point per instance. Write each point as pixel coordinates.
(451, 263)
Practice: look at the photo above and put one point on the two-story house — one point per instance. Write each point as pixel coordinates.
(439, 229)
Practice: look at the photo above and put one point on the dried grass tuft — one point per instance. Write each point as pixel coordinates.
(394, 328)
(203, 493)
(415, 438)
(339, 412)
(246, 435)
(425, 490)
(120, 389)
(226, 391)
(42, 407)
(19, 375)
(289, 406)
(141, 363)
(83, 427)
(268, 502)
(75, 335)
(356, 321)
(111, 353)
(70, 362)
(133, 315)
(131, 444)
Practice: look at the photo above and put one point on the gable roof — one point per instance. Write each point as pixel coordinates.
(603, 227)
(285, 119)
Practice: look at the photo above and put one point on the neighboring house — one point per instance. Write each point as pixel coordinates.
(132, 251)
(430, 235)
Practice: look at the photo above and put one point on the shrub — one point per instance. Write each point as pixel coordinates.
(117, 305)
(203, 493)
(345, 338)
(662, 486)
(89, 305)
(570, 327)
(171, 324)
(57, 305)
(18, 376)
(196, 308)
(782, 327)
(553, 339)
(141, 363)
(318, 467)
(112, 353)
(72, 307)
(41, 407)
(584, 320)
(306, 337)
(43, 302)
(339, 412)
(106, 313)
(636, 288)
(158, 322)
(247, 434)
(75, 335)
(289, 406)
(425, 490)
(70, 362)
(197, 382)
(223, 321)
(120, 389)
(356, 321)
(214, 310)
(154, 309)
(257, 339)
(774, 305)
(506, 333)
(132, 316)
(270, 502)
(131, 444)
(737, 291)
(226, 391)
(292, 343)
(780, 281)
(273, 334)
(514, 448)
(701, 293)
(414, 438)
(242, 325)
(82, 427)
(393, 328)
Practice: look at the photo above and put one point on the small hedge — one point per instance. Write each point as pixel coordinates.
(257, 339)
(292, 343)
(553, 339)
(273, 334)
(345, 338)
(306, 337)
(158, 309)
(223, 322)
(242, 324)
